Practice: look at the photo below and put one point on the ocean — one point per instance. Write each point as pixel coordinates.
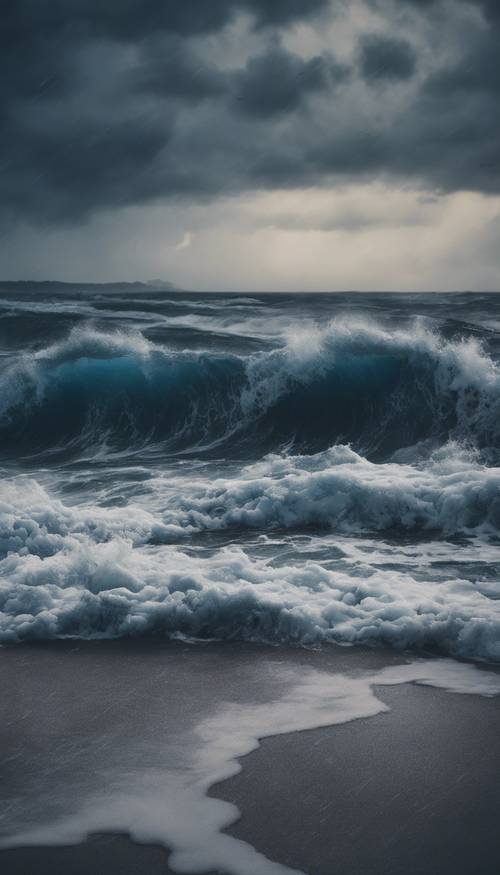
(289, 472)
(274, 468)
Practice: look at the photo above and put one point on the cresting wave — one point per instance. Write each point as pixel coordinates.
(338, 489)
(97, 572)
(350, 382)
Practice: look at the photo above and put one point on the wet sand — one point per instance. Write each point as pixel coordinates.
(414, 790)
(99, 855)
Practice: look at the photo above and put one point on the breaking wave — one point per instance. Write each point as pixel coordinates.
(101, 572)
(349, 382)
(338, 489)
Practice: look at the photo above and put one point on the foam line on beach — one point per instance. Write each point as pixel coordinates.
(173, 807)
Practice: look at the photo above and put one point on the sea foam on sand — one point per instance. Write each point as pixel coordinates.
(169, 804)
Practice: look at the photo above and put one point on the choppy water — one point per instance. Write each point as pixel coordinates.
(280, 468)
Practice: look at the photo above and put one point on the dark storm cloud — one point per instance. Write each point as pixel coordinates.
(278, 81)
(109, 103)
(491, 8)
(477, 72)
(133, 19)
(384, 57)
(172, 69)
(38, 37)
(65, 172)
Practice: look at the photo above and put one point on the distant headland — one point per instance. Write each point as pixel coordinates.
(56, 285)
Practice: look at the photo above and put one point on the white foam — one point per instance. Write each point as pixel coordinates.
(172, 807)
(91, 571)
(340, 489)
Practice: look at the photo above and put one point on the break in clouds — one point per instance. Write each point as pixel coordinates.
(122, 103)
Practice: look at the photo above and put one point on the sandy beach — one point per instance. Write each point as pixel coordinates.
(389, 793)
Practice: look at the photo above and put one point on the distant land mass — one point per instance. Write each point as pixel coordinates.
(56, 285)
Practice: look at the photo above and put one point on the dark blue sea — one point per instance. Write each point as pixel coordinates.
(282, 468)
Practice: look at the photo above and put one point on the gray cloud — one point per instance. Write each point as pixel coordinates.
(132, 19)
(171, 69)
(384, 57)
(277, 81)
(476, 73)
(152, 118)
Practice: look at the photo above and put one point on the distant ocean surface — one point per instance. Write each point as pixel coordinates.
(274, 468)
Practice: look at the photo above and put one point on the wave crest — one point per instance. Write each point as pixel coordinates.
(349, 382)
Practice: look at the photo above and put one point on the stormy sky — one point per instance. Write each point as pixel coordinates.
(252, 144)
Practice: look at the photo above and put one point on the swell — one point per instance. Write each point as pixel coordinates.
(349, 382)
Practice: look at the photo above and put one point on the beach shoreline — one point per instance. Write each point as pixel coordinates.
(369, 796)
